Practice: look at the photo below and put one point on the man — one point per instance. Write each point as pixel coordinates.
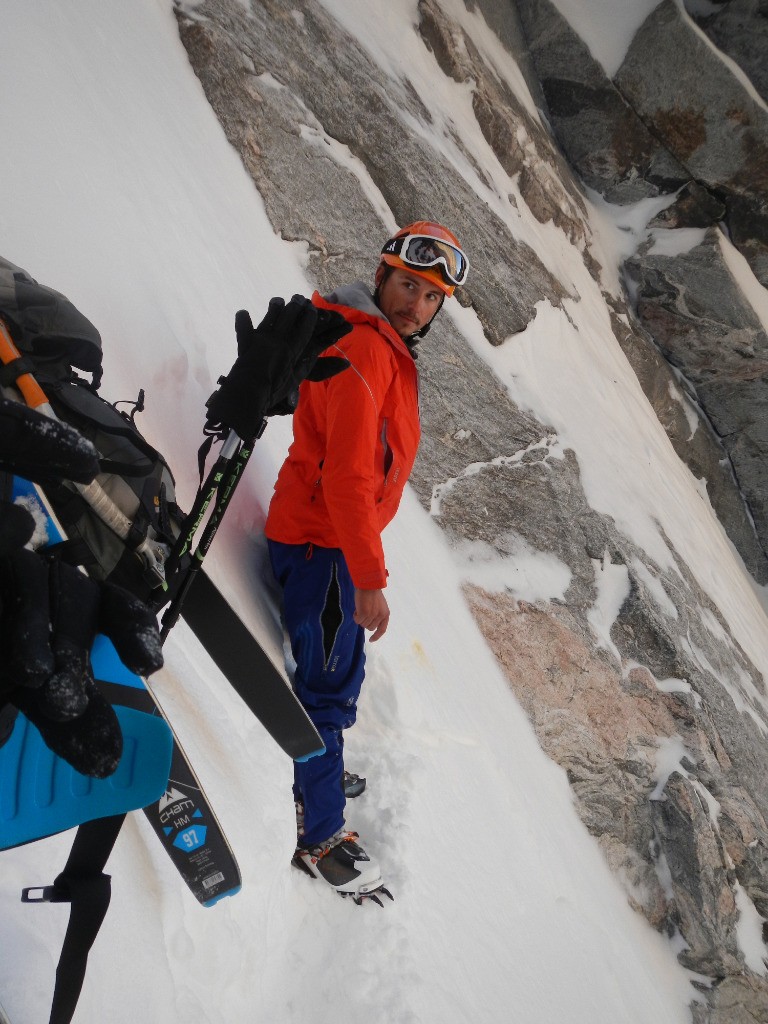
(355, 442)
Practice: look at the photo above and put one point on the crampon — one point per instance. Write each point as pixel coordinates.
(361, 897)
(343, 864)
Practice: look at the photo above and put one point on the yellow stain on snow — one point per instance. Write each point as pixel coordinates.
(420, 654)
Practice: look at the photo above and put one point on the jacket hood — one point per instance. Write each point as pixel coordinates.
(356, 296)
(355, 302)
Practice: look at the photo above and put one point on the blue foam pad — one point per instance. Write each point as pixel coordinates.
(40, 794)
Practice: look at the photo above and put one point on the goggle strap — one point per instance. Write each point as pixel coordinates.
(395, 246)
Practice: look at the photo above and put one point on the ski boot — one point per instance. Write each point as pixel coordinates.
(345, 866)
(354, 785)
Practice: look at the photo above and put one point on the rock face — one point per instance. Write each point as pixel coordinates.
(601, 134)
(701, 111)
(696, 313)
(676, 404)
(659, 718)
(740, 29)
(677, 120)
(511, 133)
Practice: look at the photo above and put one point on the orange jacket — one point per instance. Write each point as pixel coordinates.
(355, 442)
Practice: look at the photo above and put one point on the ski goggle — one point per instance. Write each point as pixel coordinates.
(423, 251)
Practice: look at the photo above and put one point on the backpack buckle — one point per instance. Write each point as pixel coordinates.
(42, 894)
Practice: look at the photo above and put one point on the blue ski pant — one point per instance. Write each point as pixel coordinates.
(329, 650)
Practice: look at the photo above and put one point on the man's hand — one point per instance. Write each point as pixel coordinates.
(372, 611)
(272, 361)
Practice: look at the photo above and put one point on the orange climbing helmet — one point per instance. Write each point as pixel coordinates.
(429, 250)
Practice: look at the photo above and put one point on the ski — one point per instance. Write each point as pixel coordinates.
(182, 817)
(4, 1018)
(231, 645)
(250, 671)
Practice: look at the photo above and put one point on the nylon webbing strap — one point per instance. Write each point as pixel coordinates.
(10, 372)
(87, 889)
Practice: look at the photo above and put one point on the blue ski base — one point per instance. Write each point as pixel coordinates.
(308, 757)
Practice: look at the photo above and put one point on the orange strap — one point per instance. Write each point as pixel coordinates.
(33, 394)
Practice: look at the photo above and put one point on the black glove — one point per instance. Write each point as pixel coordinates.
(49, 615)
(273, 359)
(40, 449)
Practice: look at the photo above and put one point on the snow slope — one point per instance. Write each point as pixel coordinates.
(120, 189)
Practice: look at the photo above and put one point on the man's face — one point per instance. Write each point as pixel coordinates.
(408, 301)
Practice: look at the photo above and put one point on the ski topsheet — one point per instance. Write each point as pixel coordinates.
(179, 812)
(241, 658)
(182, 819)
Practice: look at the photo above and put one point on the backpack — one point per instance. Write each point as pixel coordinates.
(55, 340)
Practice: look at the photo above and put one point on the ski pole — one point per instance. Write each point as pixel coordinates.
(205, 495)
(222, 481)
(153, 555)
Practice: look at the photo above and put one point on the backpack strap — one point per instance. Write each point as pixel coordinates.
(123, 468)
(10, 372)
(73, 552)
(88, 890)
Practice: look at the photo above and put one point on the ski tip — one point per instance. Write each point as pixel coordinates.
(222, 896)
(307, 757)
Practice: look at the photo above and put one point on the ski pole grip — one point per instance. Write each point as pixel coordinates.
(33, 394)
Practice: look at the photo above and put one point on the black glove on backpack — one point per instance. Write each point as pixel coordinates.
(50, 613)
(39, 448)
